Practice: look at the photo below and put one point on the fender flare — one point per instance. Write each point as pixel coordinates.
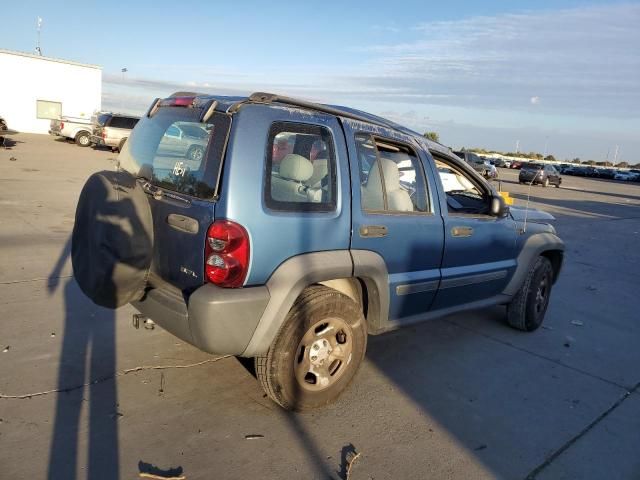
(533, 247)
(285, 286)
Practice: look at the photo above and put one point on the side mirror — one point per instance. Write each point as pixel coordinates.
(499, 207)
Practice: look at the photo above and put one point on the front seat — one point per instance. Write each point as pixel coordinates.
(398, 199)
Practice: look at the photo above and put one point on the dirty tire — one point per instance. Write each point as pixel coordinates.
(558, 184)
(276, 369)
(112, 239)
(546, 182)
(526, 311)
(82, 139)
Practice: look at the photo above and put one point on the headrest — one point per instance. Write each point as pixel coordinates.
(390, 172)
(296, 167)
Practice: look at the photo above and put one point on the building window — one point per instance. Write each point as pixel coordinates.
(48, 110)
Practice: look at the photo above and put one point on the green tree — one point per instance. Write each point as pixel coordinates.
(432, 136)
(550, 158)
(622, 165)
(576, 160)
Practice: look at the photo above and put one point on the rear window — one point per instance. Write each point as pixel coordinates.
(123, 122)
(177, 152)
(102, 119)
(532, 166)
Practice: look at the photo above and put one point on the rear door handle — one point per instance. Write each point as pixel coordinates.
(373, 231)
(183, 223)
(461, 231)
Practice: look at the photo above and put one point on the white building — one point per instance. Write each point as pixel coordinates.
(35, 89)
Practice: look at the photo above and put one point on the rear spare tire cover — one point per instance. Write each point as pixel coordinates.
(112, 241)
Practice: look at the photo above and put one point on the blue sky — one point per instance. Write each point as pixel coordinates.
(561, 73)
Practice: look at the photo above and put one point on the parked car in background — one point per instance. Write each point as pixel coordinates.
(112, 129)
(232, 254)
(491, 171)
(501, 162)
(475, 161)
(77, 129)
(625, 176)
(607, 173)
(540, 173)
(184, 139)
(517, 164)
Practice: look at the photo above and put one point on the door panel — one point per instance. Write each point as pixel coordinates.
(409, 241)
(479, 249)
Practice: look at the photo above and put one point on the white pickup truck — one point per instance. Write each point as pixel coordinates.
(75, 128)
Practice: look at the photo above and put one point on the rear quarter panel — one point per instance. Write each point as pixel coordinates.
(275, 235)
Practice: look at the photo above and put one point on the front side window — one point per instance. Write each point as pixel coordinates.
(464, 194)
(391, 177)
(300, 168)
(175, 151)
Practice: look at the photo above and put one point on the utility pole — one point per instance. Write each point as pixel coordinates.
(123, 70)
(38, 25)
(517, 146)
(615, 156)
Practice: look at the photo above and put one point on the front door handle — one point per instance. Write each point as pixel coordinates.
(373, 231)
(461, 231)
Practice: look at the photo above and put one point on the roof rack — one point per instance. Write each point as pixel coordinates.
(262, 97)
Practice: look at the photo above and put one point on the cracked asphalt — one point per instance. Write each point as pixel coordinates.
(460, 397)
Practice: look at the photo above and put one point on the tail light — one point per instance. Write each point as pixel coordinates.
(104, 135)
(61, 125)
(226, 254)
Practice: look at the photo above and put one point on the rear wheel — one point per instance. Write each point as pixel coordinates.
(195, 153)
(527, 309)
(82, 139)
(317, 351)
(545, 183)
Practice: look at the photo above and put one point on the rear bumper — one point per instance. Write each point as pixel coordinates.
(97, 140)
(217, 320)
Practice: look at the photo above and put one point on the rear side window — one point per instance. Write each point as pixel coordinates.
(300, 168)
(177, 152)
(123, 122)
(391, 177)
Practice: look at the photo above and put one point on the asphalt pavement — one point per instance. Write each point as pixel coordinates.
(461, 397)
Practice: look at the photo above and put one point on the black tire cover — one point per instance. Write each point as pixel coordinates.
(112, 240)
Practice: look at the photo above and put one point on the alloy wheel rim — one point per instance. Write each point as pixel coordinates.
(323, 354)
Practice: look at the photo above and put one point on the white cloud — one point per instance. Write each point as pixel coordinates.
(535, 100)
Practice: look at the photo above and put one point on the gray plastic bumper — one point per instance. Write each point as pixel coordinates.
(216, 320)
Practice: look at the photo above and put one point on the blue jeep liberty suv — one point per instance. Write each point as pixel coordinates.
(287, 231)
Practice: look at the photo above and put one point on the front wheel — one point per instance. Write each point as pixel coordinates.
(317, 351)
(527, 309)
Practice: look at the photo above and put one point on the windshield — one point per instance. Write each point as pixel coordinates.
(175, 151)
(102, 119)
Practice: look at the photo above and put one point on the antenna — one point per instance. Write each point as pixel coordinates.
(526, 208)
(38, 26)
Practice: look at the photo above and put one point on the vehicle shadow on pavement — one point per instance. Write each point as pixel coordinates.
(85, 378)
